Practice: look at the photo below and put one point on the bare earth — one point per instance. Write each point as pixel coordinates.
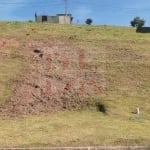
(56, 78)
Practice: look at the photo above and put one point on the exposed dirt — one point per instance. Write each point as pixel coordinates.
(57, 78)
(9, 43)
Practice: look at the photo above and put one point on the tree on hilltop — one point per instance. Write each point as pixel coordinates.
(137, 22)
(89, 21)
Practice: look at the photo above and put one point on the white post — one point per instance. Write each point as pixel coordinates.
(138, 110)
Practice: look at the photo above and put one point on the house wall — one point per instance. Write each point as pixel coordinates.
(38, 19)
(64, 19)
(54, 19)
(143, 30)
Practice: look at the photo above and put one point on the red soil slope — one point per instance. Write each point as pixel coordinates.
(58, 77)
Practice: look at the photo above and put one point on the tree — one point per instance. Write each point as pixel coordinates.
(89, 21)
(137, 22)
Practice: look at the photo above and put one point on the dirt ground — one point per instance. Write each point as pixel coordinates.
(57, 77)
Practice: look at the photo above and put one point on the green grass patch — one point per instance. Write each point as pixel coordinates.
(70, 128)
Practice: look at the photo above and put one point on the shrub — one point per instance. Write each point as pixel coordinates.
(89, 21)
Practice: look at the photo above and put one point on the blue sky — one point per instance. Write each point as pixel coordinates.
(108, 12)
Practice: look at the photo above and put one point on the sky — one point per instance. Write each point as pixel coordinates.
(102, 12)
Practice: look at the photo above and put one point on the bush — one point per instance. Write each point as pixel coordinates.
(89, 21)
(30, 21)
(101, 107)
(137, 22)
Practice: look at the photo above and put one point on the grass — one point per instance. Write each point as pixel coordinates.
(122, 54)
(10, 69)
(70, 128)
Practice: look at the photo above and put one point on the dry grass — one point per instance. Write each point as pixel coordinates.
(10, 69)
(82, 128)
(122, 54)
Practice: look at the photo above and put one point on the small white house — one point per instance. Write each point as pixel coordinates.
(59, 18)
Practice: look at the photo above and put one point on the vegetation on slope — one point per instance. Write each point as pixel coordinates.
(119, 52)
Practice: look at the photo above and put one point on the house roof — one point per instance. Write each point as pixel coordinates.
(63, 14)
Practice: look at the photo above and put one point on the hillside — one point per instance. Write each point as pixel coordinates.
(95, 71)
